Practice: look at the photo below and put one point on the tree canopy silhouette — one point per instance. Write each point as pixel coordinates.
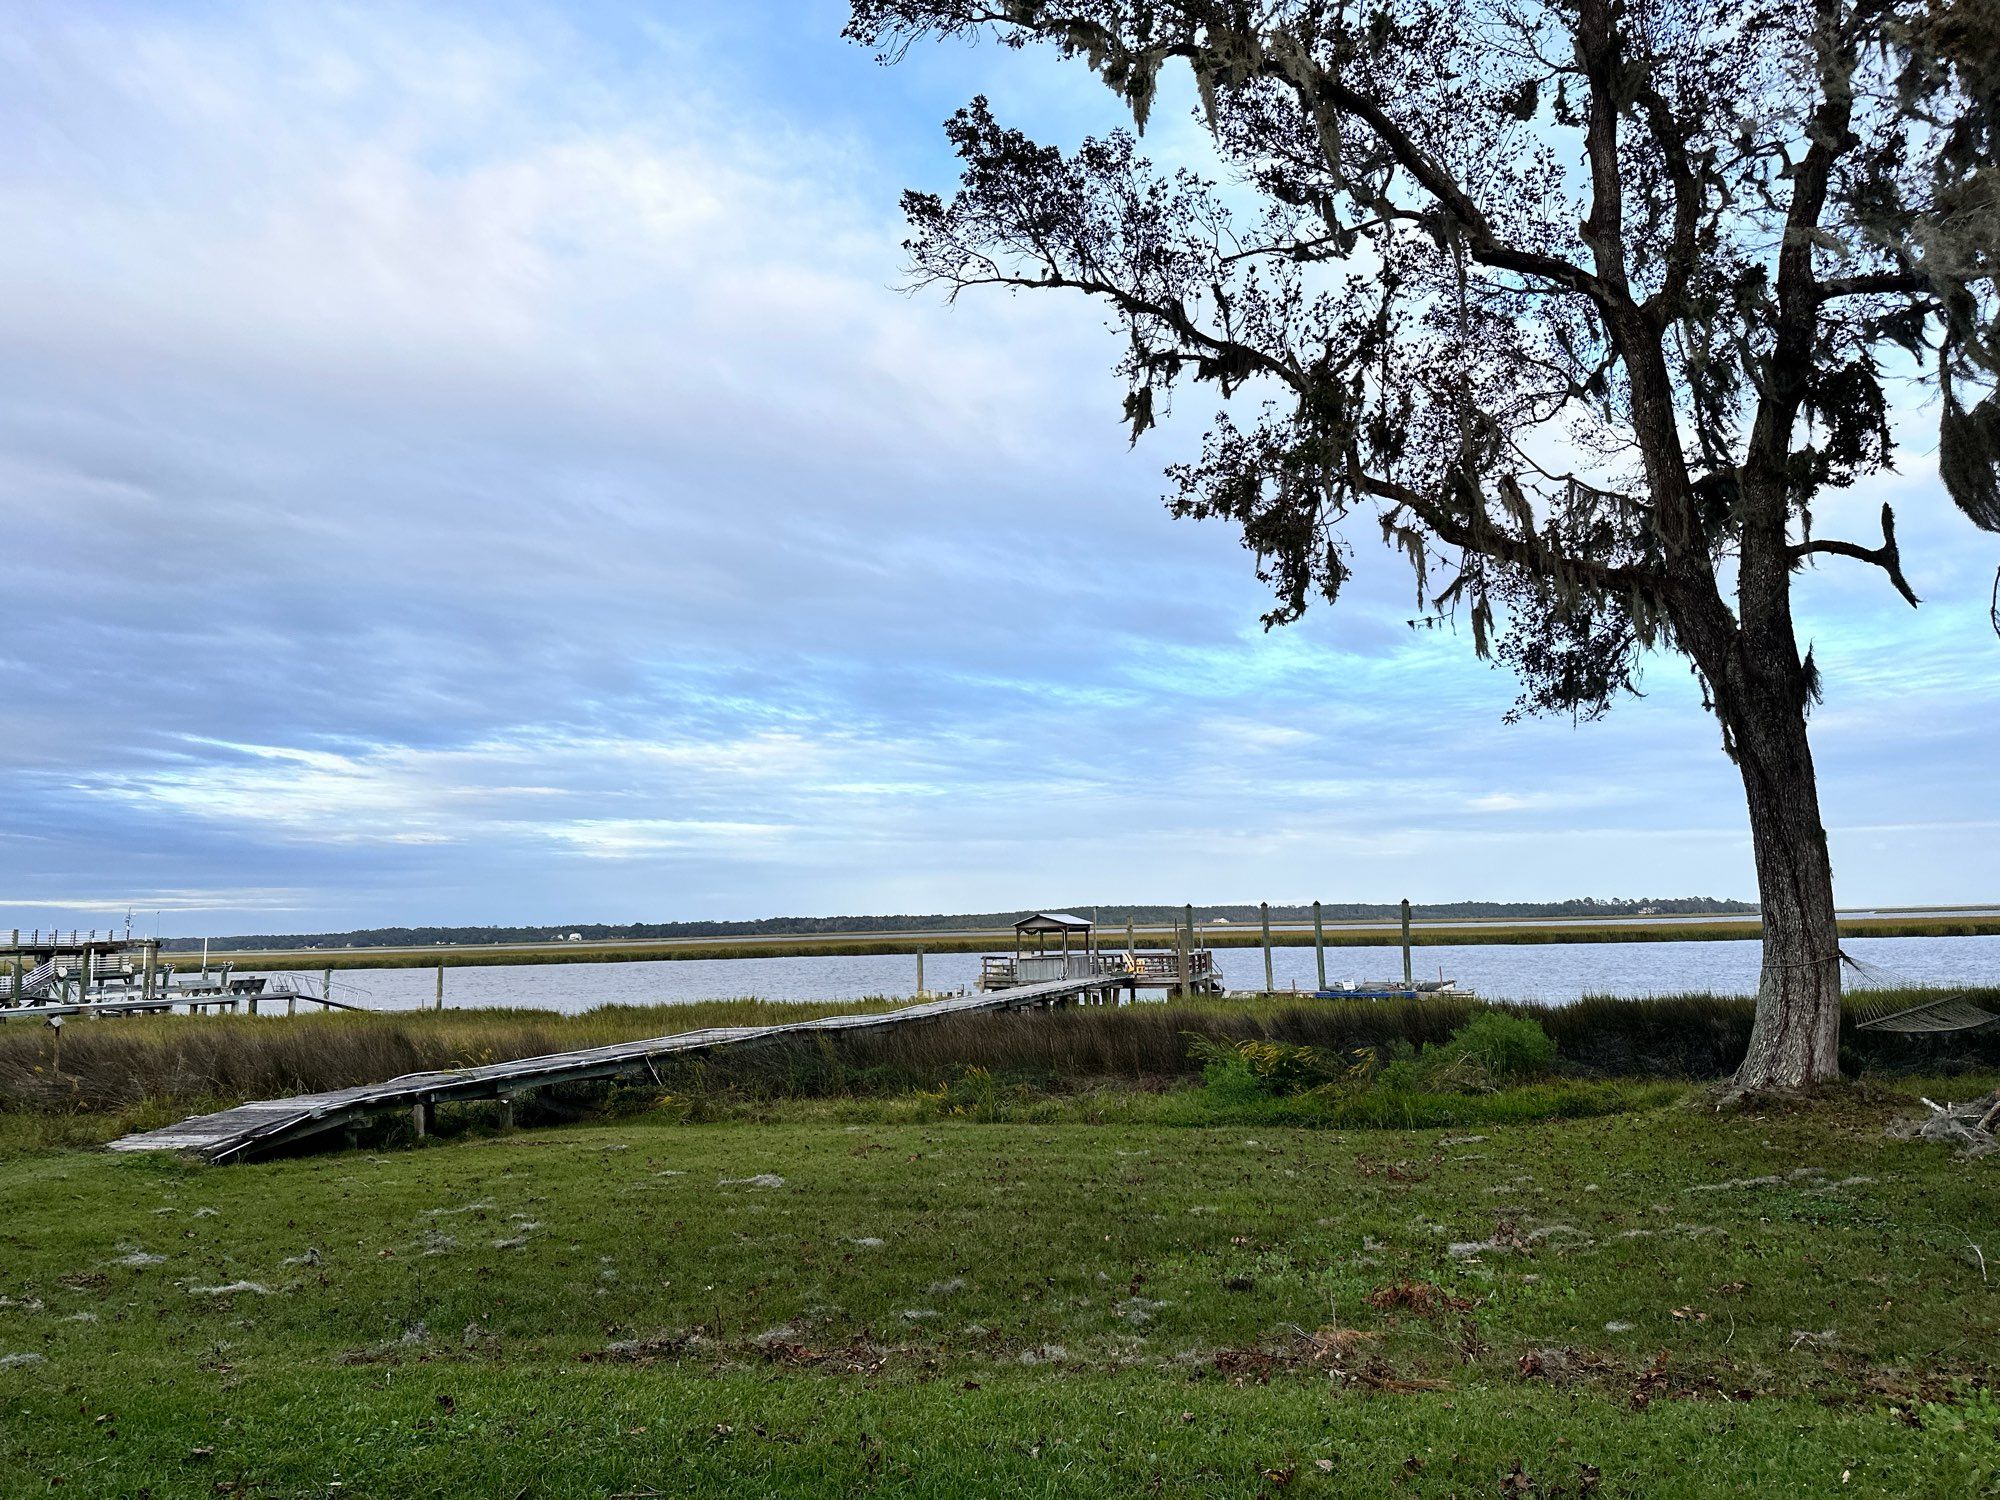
(1582, 303)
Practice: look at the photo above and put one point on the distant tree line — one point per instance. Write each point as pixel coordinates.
(1107, 916)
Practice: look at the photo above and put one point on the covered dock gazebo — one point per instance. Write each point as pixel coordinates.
(1045, 926)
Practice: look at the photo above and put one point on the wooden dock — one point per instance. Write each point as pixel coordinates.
(256, 1129)
(165, 1002)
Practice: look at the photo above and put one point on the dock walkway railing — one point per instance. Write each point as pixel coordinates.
(1147, 970)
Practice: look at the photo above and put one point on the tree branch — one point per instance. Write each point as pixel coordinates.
(1875, 283)
(1671, 137)
(1604, 230)
(1512, 550)
(1487, 247)
(1885, 557)
(1172, 315)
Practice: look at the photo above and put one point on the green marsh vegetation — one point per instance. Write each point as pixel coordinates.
(1915, 924)
(130, 1074)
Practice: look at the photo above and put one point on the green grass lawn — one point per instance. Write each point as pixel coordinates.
(827, 1300)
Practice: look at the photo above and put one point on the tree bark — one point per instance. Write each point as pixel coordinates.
(1796, 1038)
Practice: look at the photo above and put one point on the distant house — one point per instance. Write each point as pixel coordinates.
(1218, 921)
(574, 937)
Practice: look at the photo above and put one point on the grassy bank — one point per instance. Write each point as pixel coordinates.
(122, 1075)
(1901, 925)
(132, 1072)
(1658, 1302)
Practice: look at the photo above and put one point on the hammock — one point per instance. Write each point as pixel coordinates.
(1945, 1013)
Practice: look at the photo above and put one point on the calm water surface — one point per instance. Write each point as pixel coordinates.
(1553, 972)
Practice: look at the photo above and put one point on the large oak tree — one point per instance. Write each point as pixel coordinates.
(1583, 303)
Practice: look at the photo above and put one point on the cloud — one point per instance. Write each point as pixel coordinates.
(479, 465)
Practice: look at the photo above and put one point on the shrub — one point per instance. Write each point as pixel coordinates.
(1256, 1068)
(1490, 1051)
(1509, 1046)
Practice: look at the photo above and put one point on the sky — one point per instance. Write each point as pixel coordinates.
(479, 463)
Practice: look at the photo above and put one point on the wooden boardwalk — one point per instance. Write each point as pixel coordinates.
(266, 1125)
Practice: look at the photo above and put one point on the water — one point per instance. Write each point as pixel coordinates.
(1553, 972)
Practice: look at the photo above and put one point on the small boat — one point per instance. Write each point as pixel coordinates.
(1390, 989)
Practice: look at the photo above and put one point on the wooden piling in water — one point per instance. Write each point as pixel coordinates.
(920, 971)
(1319, 945)
(1264, 916)
(439, 1005)
(1407, 976)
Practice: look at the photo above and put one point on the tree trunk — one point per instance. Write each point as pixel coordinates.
(1796, 1038)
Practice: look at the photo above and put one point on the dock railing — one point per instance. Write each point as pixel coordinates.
(999, 971)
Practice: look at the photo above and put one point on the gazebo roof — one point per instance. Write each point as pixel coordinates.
(1052, 921)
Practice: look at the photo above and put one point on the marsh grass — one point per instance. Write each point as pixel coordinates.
(136, 1073)
(1230, 937)
(124, 1064)
(1681, 1037)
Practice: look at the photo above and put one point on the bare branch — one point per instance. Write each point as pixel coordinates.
(1886, 557)
(1873, 284)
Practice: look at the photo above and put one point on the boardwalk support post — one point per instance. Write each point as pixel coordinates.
(423, 1117)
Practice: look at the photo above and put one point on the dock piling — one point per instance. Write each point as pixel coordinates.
(439, 1003)
(1406, 943)
(1179, 988)
(1319, 945)
(1264, 916)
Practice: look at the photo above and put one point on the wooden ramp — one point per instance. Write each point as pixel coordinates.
(265, 1125)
